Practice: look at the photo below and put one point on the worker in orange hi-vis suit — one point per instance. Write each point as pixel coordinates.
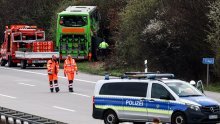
(53, 69)
(70, 68)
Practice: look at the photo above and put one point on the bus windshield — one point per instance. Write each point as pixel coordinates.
(73, 21)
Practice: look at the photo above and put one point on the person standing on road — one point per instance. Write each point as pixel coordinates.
(103, 46)
(70, 68)
(53, 69)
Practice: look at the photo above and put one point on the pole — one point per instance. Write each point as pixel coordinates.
(207, 83)
(145, 64)
(59, 49)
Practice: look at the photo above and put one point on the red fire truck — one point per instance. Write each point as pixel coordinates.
(25, 45)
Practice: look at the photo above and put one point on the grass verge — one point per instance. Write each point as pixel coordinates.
(91, 67)
(99, 69)
(213, 87)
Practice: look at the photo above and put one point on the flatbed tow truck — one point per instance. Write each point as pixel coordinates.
(26, 45)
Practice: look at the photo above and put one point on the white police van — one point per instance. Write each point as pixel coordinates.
(150, 96)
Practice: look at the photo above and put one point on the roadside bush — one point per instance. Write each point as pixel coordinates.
(62, 6)
(32, 12)
(133, 20)
(170, 34)
(213, 37)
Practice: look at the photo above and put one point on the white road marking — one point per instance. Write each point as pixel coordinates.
(45, 74)
(22, 80)
(81, 95)
(8, 96)
(85, 81)
(27, 84)
(65, 109)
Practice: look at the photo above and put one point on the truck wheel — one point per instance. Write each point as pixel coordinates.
(15, 64)
(10, 62)
(23, 64)
(3, 62)
(178, 118)
(110, 118)
(39, 65)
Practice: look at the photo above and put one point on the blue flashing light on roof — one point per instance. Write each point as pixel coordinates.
(143, 75)
(106, 76)
(160, 76)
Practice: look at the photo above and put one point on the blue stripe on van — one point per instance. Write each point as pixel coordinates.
(128, 102)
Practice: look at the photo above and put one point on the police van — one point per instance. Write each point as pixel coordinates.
(142, 97)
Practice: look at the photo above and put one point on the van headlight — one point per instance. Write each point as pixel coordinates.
(194, 107)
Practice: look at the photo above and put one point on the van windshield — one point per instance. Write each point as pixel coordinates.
(183, 89)
(73, 21)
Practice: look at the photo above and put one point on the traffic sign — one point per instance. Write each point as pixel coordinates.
(208, 61)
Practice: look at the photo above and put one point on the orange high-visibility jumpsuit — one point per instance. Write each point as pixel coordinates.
(70, 68)
(53, 69)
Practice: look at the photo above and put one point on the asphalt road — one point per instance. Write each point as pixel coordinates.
(28, 91)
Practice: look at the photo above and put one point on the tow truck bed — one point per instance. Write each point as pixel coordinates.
(35, 55)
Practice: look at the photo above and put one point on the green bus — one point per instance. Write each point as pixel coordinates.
(77, 28)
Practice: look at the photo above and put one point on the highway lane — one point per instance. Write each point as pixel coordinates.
(28, 91)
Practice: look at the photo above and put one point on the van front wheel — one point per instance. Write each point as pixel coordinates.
(178, 118)
(110, 118)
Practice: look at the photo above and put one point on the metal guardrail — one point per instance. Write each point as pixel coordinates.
(9, 116)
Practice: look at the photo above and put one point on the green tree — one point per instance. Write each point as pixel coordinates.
(32, 12)
(133, 19)
(180, 45)
(63, 4)
(213, 37)
(170, 34)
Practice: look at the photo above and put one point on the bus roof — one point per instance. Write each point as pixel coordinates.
(78, 10)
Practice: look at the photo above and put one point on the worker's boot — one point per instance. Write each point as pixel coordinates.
(51, 86)
(51, 90)
(70, 85)
(57, 89)
(71, 89)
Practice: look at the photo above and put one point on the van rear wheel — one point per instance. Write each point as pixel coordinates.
(110, 117)
(3, 62)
